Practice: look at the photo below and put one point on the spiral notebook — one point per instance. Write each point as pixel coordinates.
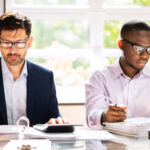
(134, 127)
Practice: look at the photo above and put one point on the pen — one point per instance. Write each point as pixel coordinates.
(109, 101)
(121, 105)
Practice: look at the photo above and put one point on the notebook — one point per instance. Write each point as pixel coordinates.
(134, 127)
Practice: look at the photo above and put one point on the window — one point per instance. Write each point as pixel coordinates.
(75, 37)
(1, 7)
(51, 2)
(126, 3)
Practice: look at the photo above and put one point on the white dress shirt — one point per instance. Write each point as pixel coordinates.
(111, 83)
(15, 93)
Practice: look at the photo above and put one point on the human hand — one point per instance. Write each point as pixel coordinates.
(115, 113)
(58, 120)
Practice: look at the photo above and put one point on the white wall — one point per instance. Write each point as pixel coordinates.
(74, 113)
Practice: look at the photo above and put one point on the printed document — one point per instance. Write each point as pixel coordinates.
(134, 127)
(77, 134)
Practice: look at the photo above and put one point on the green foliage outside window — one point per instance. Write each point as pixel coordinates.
(45, 2)
(80, 62)
(142, 2)
(68, 33)
(59, 2)
(19, 1)
(73, 35)
(111, 33)
(112, 28)
(66, 68)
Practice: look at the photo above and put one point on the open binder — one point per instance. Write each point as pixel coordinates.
(134, 127)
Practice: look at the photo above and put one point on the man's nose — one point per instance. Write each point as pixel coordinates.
(13, 48)
(144, 54)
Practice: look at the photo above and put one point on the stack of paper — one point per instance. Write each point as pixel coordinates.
(9, 132)
(8, 129)
(78, 134)
(134, 127)
(33, 133)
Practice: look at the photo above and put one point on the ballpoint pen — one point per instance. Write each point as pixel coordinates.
(109, 102)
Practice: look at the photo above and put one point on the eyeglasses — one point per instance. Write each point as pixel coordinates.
(18, 45)
(138, 48)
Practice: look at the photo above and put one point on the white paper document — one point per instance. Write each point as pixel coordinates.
(134, 127)
(95, 134)
(28, 144)
(77, 134)
(33, 133)
(8, 129)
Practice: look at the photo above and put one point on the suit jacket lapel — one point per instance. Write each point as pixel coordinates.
(29, 92)
(3, 112)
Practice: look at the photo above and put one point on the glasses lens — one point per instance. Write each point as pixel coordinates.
(20, 44)
(138, 49)
(148, 50)
(6, 44)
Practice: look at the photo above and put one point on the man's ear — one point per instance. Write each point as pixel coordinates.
(120, 44)
(30, 41)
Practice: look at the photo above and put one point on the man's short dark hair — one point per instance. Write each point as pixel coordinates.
(15, 20)
(133, 25)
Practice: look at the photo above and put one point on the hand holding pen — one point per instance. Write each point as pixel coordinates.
(115, 113)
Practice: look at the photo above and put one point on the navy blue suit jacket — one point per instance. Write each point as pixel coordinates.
(41, 96)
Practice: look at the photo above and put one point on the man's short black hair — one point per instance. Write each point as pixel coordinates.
(15, 20)
(133, 25)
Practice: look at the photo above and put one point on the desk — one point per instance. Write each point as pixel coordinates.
(121, 143)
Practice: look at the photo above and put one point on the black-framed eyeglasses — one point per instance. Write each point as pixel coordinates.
(138, 48)
(18, 45)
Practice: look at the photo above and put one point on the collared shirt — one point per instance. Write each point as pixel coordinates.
(15, 93)
(111, 85)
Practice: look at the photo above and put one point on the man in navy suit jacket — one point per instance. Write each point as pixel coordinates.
(26, 89)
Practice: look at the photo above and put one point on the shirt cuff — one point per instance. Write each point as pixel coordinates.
(98, 124)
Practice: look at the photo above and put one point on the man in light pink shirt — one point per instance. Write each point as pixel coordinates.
(127, 82)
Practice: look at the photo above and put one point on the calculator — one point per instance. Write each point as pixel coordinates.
(56, 128)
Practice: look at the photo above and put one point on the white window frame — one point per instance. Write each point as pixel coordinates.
(1, 7)
(96, 15)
